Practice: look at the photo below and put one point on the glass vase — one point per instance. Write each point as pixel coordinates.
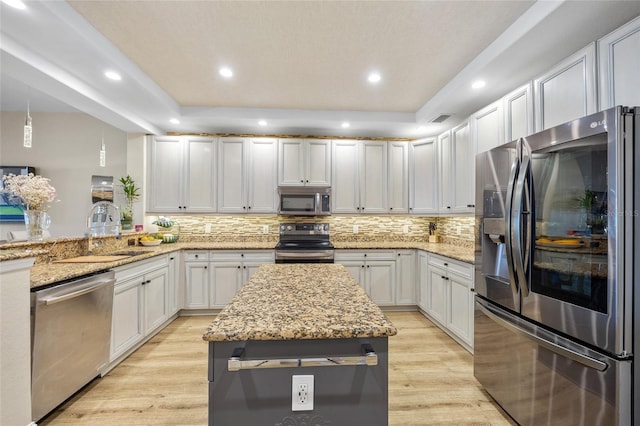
(36, 221)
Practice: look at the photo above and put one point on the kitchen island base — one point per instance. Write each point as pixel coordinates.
(262, 393)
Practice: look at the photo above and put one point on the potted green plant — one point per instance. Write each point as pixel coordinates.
(131, 194)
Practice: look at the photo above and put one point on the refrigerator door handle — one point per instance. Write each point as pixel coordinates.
(513, 175)
(516, 228)
(553, 347)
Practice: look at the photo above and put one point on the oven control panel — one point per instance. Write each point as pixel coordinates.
(304, 229)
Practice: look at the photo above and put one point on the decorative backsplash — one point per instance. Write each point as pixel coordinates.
(369, 228)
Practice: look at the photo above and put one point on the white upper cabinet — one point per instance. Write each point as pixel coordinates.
(182, 174)
(398, 188)
(446, 173)
(488, 127)
(568, 91)
(423, 176)
(518, 113)
(463, 166)
(247, 175)
(359, 176)
(619, 66)
(304, 162)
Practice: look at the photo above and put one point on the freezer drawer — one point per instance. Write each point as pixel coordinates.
(541, 378)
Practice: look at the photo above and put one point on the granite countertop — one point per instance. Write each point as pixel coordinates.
(47, 273)
(458, 252)
(298, 302)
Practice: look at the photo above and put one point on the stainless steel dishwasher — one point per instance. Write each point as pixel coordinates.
(70, 338)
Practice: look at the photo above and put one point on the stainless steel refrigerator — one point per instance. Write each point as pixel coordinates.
(556, 260)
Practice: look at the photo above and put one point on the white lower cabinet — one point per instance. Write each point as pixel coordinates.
(406, 277)
(212, 278)
(174, 286)
(140, 302)
(446, 295)
(374, 270)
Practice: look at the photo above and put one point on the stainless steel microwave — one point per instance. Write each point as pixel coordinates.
(304, 201)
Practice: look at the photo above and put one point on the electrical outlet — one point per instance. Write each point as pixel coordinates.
(207, 228)
(265, 229)
(302, 393)
(459, 230)
(355, 229)
(405, 229)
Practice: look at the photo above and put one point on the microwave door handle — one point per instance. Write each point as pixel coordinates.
(508, 219)
(516, 230)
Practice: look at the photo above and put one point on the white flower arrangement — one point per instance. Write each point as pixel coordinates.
(33, 191)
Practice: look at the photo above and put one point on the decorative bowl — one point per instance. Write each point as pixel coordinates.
(151, 243)
(169, 238)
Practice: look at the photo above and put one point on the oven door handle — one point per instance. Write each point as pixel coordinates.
(553, 347)
(304, 255)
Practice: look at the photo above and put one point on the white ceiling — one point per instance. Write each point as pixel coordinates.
(300, 65)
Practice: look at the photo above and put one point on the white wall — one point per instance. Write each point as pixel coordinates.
(66, 150)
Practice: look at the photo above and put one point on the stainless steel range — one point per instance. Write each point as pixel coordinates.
(304, 243)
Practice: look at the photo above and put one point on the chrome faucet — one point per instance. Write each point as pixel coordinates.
(103, 219)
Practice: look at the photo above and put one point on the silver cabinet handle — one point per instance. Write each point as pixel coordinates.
(553, 347)
(236, 363)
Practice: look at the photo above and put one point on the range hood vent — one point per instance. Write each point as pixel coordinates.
(441, 118)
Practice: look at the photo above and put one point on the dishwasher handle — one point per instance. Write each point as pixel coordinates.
(77, 293)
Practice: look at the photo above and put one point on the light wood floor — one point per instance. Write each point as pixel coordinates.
(165, 381)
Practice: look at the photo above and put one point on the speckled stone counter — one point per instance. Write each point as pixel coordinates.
(300, 301)
(285, 321)
(463, 253)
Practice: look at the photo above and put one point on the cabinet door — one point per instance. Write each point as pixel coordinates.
(460, 309)
(231, 176)
(155, 290)
(518, 113)
(126, 328)
(398, 178)
(463, 165)
(200, 188)
(568, 91)
(406, 278)
(356, 269)
(373, 177)
(437, 289)
(197, 285)
(262, 175)
(423, 279)
(318, 162)
(380, 281)
(225, 282)
(291, 167)
(619, 62)
(165, 174)
(445, 149)
(423, 177)
(174, 298)
(345, 178)
(488, 129)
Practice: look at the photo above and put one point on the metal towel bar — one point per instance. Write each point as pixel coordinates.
(236, 363)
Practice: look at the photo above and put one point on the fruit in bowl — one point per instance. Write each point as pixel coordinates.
(148, 240)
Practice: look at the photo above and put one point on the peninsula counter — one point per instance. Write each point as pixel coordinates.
(299, 319)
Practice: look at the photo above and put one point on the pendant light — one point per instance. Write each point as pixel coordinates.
(103, 153)
(27, 130)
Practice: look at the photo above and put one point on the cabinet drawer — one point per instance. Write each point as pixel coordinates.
(460, 268)
(243, 255)
(140, 267)
(196, 255)
(346, 255)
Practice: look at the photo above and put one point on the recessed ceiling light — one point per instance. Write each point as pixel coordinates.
(374, 77)
(226, 72)
(345, 125)
(113, 75)
(18, 4)
(478, 84)
(174, 121)
(262, 122)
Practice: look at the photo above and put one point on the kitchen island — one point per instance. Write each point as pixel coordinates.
(299, 319)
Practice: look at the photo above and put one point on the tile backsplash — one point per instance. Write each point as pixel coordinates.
(343, 228)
